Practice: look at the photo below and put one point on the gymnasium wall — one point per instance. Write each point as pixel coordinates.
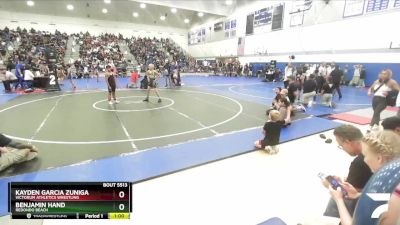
(372, 69)
(374, 62)
(324, 36)
(76, 25)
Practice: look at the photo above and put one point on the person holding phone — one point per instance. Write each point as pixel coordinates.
(378, 149)
(349, 139)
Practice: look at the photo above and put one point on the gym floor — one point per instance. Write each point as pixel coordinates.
(83, 138)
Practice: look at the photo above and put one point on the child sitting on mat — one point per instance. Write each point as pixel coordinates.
(272, 132)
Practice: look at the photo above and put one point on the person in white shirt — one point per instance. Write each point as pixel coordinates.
(398, 104)
(380, 89)
(322, 70)
(288, 73)
(3, 78)
(10, 76)
(28, 75)
(329, 69)
(28, 78)
(356, 76)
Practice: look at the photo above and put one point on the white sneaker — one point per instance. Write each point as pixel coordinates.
(274, 150)
(116, 101)
(310, 103)
(110, 102)
(268, 149)
(271, 150)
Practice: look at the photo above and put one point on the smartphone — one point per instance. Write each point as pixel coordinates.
(333, 182)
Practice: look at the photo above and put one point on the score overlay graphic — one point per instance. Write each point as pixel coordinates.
(70, 200)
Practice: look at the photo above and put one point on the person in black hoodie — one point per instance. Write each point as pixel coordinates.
(336, 75)
(309, 90)
(361, 82)
(326, 93)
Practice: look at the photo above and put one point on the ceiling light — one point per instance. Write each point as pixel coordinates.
(186, 20)
(173, 10)
(135, 14)
(104, 11)
(30, 3)
(162, 17)
(228, 2)
(142, 5)
(200, 14)
(70, 7)
(107, 1)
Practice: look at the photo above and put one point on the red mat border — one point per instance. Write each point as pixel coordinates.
(351, 118)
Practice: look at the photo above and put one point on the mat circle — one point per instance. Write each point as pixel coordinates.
(171, 102)
(240, 110)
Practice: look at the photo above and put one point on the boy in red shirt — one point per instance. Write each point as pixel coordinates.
(134, 78)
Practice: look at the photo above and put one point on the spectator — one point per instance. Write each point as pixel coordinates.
(378, 149)
(392, 216)
(392, 123)
(13, 152)
(285, 110)
(380, 89)
(356, 76)
(349, 139)
(43, 69)
(288, 73)
(28, 78)
(271, 131)
(309, 90)
(277, 75)
(246, 70)
(320, 77)
(71, 74)
(398, 104)
(276, 98)
(6, 82)
(60, 74)
(19, 72)
(363, 73)
(345, 72)
(292, 89)
(337, 75)
(327, 93)
(134, 78)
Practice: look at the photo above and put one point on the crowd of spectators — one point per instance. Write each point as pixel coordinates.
(28, 54)
(96, 52)
(30, 49)
(158, 52)
(34, 46)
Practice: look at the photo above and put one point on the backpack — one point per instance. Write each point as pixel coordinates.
(392, 97)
